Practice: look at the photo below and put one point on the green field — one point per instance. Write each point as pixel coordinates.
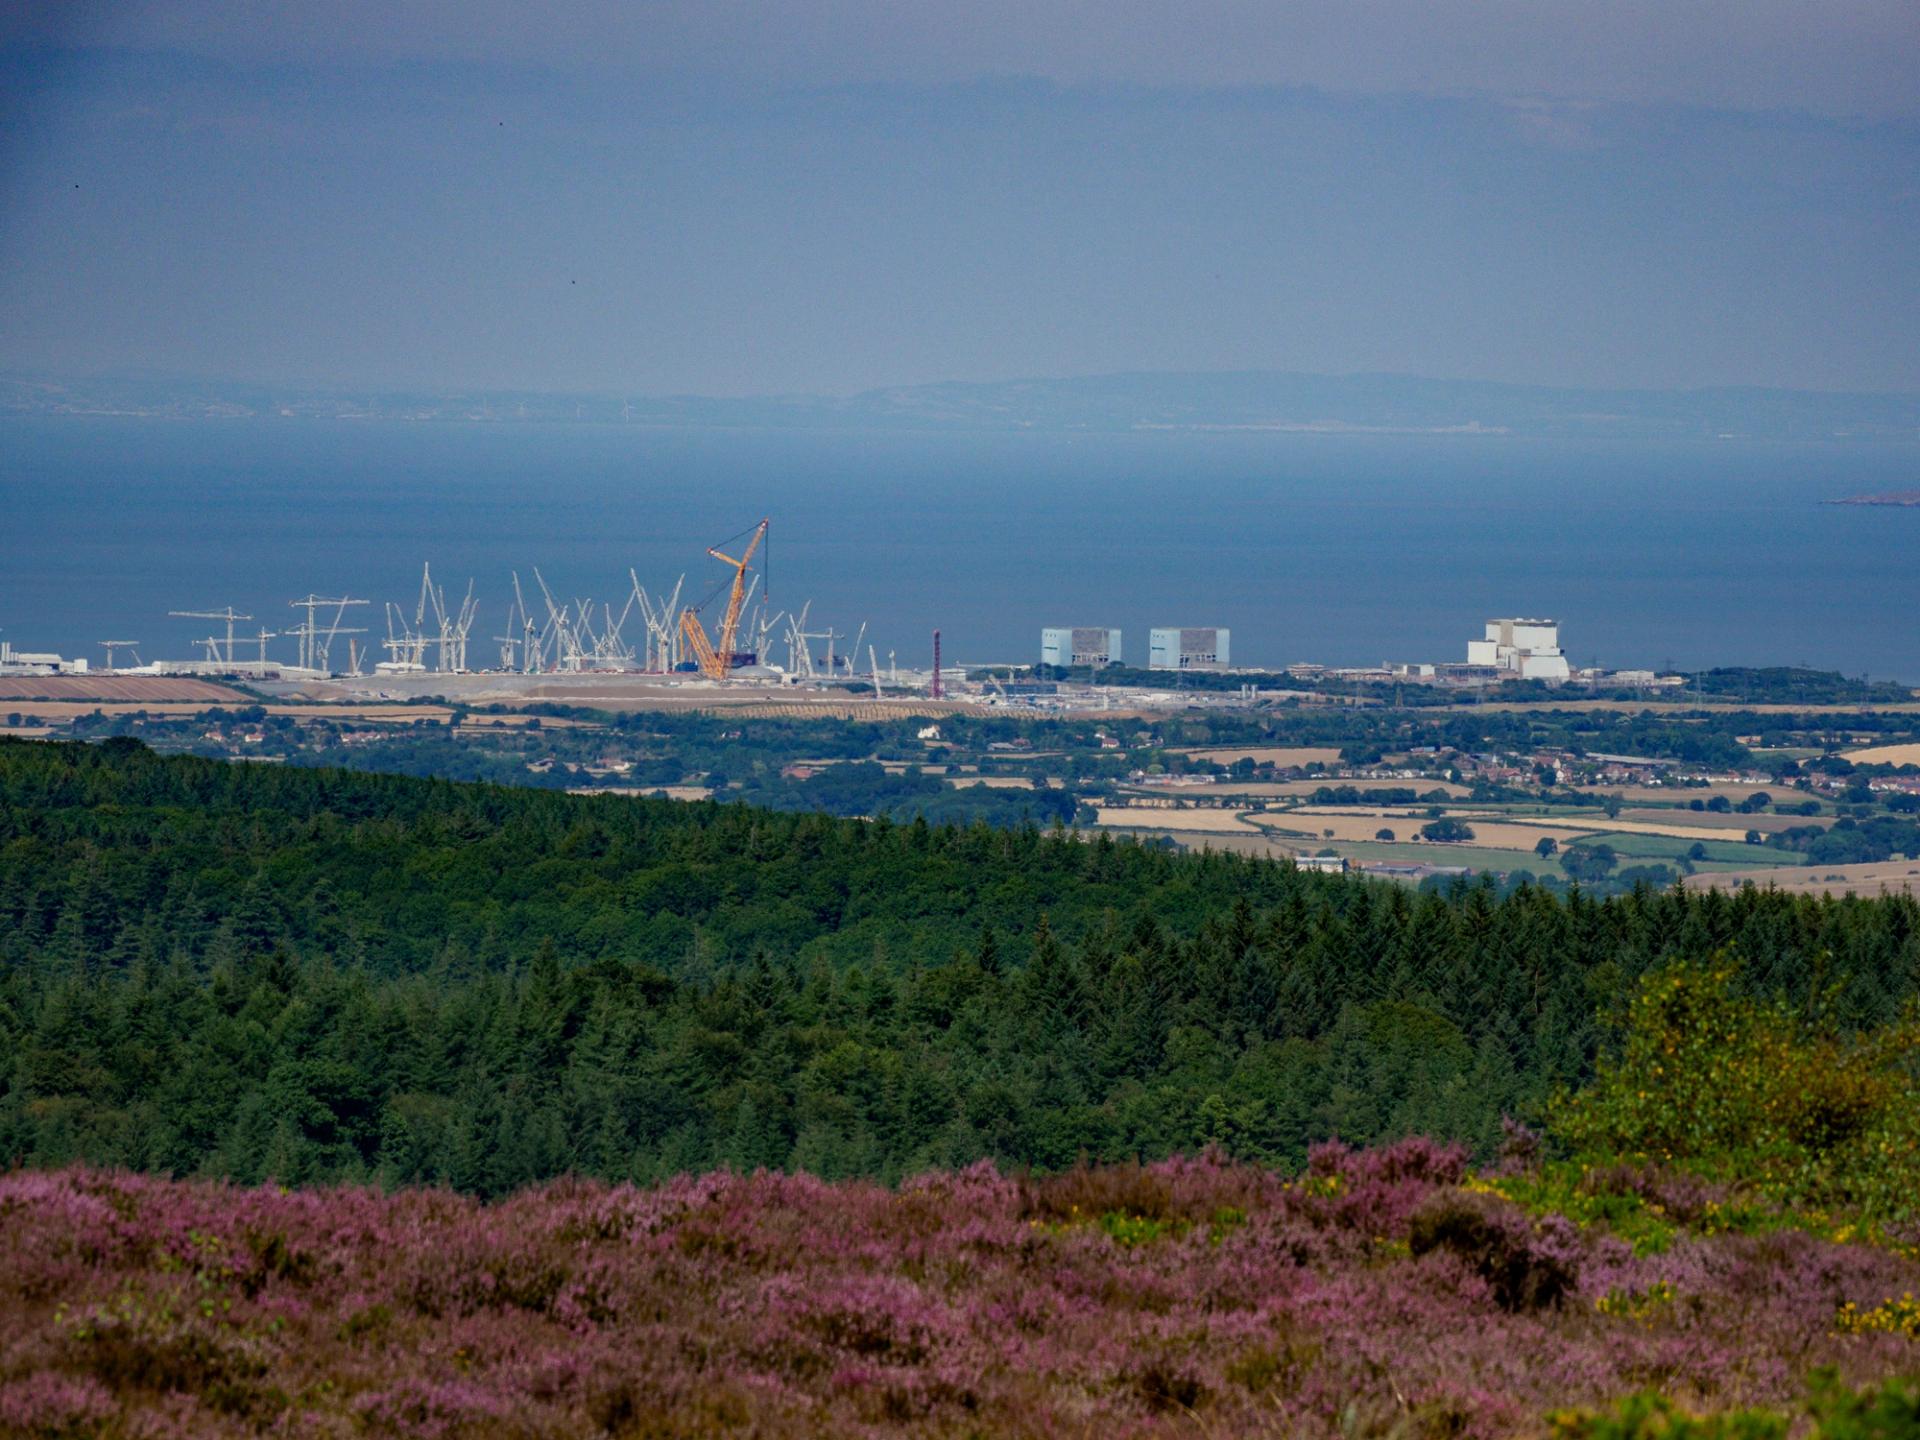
(1735, 853)
(1473, 856)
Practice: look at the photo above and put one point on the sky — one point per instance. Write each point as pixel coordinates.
(659, 197)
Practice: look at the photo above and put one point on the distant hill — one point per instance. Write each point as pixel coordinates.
(1245, 400)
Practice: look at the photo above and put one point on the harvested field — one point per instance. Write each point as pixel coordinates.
(1692, 828)
(1885, 755)
(1875, 877)
(1261, 846)
(1196, 821)
(117, 687)
(1585, 823)
(1681, 794)
(1732, 826)
(1487, 834)
(672, 792)
(60, 711)
(1287, 789)
(1491, 828)
(1265, 754)
(520, 722)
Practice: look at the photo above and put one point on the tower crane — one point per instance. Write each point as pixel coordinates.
(113, 645)
(450, 627)
(313, 639)
(663, 631)
(717, 664)
(230, 615)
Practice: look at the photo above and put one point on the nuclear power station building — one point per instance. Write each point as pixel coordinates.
(1188, 648)
(1526, 649)
(1074, 645)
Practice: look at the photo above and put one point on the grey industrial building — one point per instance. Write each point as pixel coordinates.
(1073, 645)
(1203, 647)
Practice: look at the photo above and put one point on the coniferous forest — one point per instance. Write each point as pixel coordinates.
(313, 976)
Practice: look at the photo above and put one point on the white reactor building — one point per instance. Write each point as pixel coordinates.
(1526, 649)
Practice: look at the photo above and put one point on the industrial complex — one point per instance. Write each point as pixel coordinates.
(733, 637)
(1171, 647)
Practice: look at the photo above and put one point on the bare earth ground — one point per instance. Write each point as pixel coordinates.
(633, 692)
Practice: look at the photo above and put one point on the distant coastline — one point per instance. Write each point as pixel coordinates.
(1248, 402)
(1902, 499)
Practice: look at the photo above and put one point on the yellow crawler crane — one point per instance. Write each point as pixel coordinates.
(716, 663)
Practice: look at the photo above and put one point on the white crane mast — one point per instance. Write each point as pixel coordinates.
(314, 645)
(113, 645)
(212, 642)
(450, 627)
(559, 630)
(662, 618)
(406, 648)
(320, 657)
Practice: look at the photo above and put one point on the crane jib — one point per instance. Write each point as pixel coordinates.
(717, 661)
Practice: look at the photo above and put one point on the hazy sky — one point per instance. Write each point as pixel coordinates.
(658, 196)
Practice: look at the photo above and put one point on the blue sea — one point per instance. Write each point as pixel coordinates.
(1340, 549)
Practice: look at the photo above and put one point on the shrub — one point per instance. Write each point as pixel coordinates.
(47, 1406)
(1521, 1147)
(1526, 1269)
(1653, 1417)
(1889, 1412)
(1743, 1088)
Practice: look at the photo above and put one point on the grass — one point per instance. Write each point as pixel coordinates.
(1735, 853)
(1472, 856)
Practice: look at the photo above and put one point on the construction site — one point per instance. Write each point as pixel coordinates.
(724, 643)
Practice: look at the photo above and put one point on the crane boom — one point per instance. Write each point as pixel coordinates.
(716, 662)
(711, 665)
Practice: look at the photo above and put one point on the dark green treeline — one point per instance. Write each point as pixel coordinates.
(317, 974)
